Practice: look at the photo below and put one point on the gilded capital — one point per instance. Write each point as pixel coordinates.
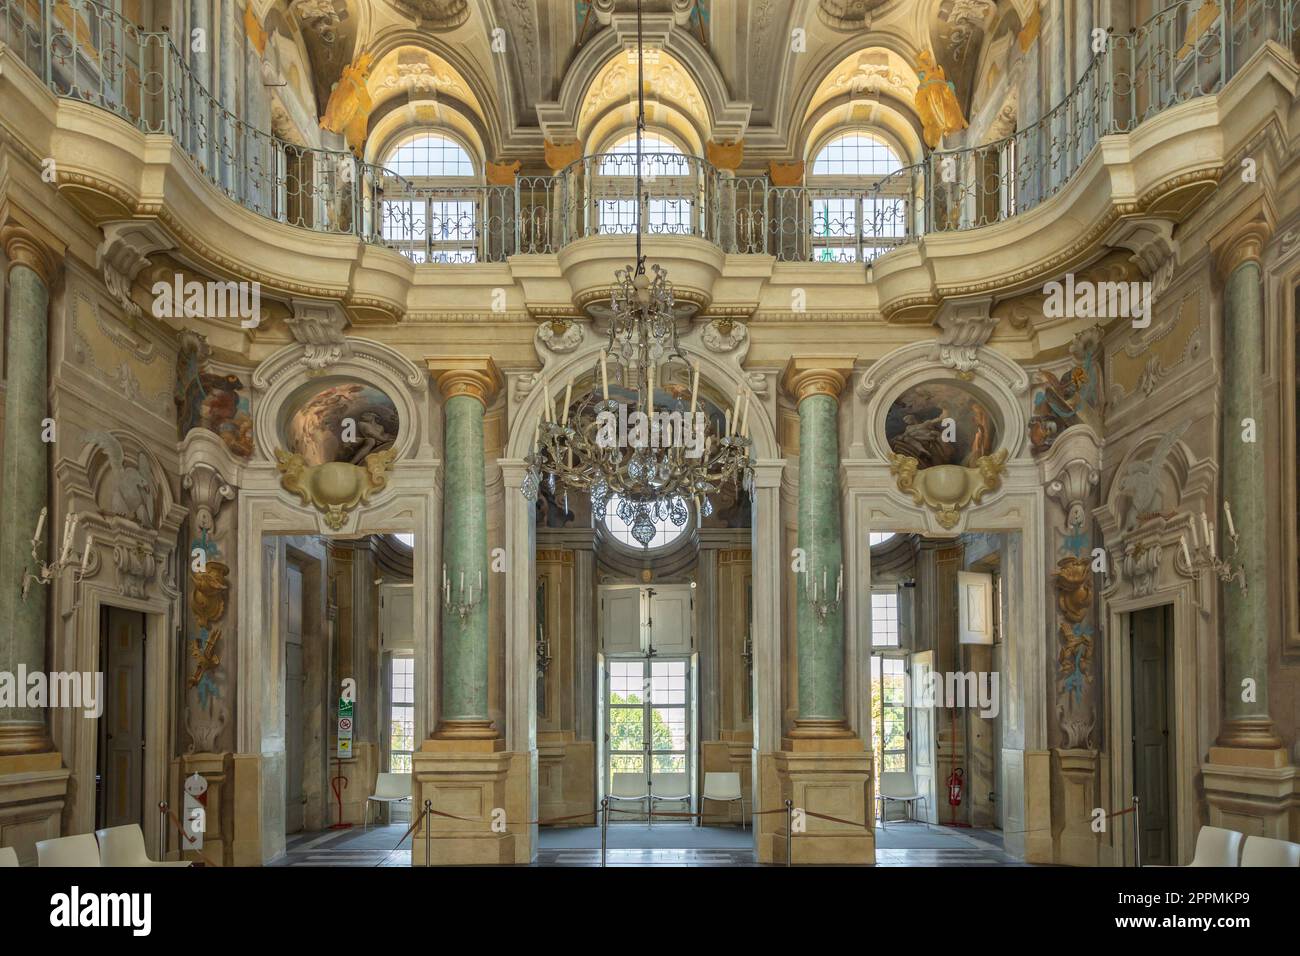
(476, 376)
(785, 174)
(726, 156)
(1241, 245)
(807, 375)
(558, 157)
(23, 248)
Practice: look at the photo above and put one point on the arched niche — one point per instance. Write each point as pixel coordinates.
(673, 101)
(724, 372)
(725, 118)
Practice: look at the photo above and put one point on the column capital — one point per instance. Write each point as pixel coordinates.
(24, 248)
(1240, 244)
(725, 156)
(558, 156)
(476, 376)
(807, 375)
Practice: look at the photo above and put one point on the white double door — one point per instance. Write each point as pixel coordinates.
(647, 642)
(648, 736)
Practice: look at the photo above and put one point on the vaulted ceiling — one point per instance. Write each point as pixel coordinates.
(759, 65)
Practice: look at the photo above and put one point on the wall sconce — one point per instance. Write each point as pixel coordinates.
(1203, 555)
(824, 606)
(46, 573)
(467, 598)
(747, 652)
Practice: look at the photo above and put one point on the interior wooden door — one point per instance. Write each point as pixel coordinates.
(1150, 701)
(294, 680)
(122, 723)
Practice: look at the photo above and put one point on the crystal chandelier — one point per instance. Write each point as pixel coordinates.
(654, 458)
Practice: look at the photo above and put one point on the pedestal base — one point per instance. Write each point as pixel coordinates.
(829, 776)
(481, 797)
(33, 791)
(1077, 844)
(1250, 791)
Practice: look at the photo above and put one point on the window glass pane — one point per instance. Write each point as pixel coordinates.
(669, 725)
(429, 154)
(665, 531)
(669, 763)
(626, 728)
(856, 154)
(625, 682)
(879, 537)
(884, 618)
(626, 763)
(668, 682)
(403, 680)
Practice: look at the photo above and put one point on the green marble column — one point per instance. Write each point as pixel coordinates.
(816, 384)
(1245, 614)
(467, 386)
(25, 483)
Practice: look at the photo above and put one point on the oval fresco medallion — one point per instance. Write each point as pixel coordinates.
(316, 428)
(942, 423)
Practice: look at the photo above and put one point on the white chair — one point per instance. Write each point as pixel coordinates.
(79, 850)
(124, 846)
(724, 788)
(1265, 851)
(390, 788)
(676, 790)
(898, 786)
(629, 788)
(8, 856)
(1217, 847)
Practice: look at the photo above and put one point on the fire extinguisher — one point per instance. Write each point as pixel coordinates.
(955, 782)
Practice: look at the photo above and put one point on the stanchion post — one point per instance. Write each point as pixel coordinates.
(789, 828)
(162, 829)
(1137, 831)
(604, 827)
(428, 828)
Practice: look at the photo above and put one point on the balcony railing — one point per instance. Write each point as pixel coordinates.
(86, 52)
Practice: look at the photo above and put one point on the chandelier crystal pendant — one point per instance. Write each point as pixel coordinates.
(670, 455)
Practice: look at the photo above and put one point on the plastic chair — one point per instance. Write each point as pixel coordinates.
(676, 790)
(1217, 847)
(898, 786)
(724, 788)
(390, 788)
(628, 788)
(124, 846)
(1265, 851)
(8, 856)
(79, 850)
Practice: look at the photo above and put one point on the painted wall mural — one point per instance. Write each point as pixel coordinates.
(206, 714)
(315, 430)
(941, 423)
(210, 399)
(1071, 396)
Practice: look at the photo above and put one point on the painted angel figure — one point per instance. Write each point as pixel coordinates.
(348, 110)
(936, 101)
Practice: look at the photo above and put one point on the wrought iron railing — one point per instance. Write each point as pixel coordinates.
(87, 52)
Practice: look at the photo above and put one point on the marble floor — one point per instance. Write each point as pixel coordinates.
(379, 847)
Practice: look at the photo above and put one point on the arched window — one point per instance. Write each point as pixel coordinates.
(618, 520)
(859, 207)
(670, 181)
(430, 205)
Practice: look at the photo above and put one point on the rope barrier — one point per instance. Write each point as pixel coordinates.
(182, 832)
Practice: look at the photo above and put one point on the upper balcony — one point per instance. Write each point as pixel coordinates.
(86, 53)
